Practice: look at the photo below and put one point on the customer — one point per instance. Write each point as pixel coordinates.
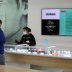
(27, 37)
(2, 41)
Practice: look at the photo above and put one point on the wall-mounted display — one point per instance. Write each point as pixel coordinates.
(56, 21)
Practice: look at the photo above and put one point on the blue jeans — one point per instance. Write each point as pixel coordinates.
(2, 59)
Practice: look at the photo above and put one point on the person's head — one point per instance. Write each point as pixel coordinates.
(0, 23)
(26, 30)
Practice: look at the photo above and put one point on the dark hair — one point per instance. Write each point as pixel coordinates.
(28, 29)
(0, 21)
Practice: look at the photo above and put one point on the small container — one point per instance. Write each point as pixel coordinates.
(29, 52)
(35, 53)
(41, 52)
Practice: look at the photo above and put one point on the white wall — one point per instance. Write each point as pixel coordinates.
(34, 20)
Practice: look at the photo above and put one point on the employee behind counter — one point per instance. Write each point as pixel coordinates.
(27, 37)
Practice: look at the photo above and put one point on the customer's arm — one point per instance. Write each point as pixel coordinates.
(2, 38)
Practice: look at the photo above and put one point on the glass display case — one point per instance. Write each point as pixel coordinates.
(51, 51)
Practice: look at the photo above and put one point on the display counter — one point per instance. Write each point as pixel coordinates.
(15, 69)
(42, 56)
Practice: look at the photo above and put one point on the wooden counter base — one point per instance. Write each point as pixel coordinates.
(40, 60)
(12, 69)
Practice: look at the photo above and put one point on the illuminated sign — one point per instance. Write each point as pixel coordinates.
(56, 21)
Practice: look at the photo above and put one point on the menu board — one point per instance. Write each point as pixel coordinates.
(56, 21)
